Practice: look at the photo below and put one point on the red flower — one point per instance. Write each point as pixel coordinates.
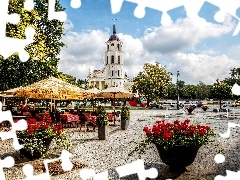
(49, 120)
(176, 122)
(167, 135)
(45, 126)
(59, 131)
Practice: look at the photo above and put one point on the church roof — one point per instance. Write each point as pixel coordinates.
(114, 37)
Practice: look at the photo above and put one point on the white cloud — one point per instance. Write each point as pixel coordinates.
(182, 35)
(201, 67)
(87, 48)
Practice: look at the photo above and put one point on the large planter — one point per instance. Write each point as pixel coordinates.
(102, 132)
(124, 124)
(36, 154)
(190, 111)
(178, 157)
(204, 109)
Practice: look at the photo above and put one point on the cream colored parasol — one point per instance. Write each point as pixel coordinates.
(115, 92)
(91, 94)
(50, 88)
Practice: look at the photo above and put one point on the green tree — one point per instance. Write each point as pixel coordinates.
(189, 91)
(43, 61)
(202, 91)
(172, 91)
(234, 77)
(152, 82)
(68, 78)
(221, 90)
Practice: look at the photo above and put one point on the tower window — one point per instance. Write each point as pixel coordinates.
(112, 73)
(118, 59)
(118, 72)
(112, 44)
(107, 60)
(118, 47)
(112, 60)
(108, 47)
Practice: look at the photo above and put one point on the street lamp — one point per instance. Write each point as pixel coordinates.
(177, 91)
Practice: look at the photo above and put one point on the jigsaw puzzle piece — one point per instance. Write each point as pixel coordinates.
(52, 14)
(236, 89)
(7, 162)
(75, 4)
(28, 171)
(230, 176)
(28, 5)
(66, 165)
(88, 173)
(18, 126)
(137, 167)
(227, 8)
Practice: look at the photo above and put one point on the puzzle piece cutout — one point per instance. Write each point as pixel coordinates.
(88, 173)
(18, 126)
(230, 176)
(6, 45)
(192, 9)
(137, 167)
(75, 4)
(66, 165)
(7, 162)
(236, 89)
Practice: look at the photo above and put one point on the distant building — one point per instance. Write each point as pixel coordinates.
(113, 73)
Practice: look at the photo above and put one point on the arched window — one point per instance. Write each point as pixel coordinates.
(112, 44)
(118, 59)
(107, 60)
(112, 60)
(108, 47)
(118, 73)
(118, 47)
(112, 73)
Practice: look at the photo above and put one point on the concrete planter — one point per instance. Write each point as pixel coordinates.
(102, 132)
(124, 124)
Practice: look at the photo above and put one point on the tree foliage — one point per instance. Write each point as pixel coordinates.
(43, 51)
(189, 91)
(221, 90)
(202, 90)
(152, 82)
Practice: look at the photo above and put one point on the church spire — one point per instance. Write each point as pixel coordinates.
(114, 27)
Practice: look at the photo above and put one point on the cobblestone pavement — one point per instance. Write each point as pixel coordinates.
(102, 155)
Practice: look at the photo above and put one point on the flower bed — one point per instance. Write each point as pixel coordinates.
(38, 134)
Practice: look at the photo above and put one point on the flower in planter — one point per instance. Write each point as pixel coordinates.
(177, 133)
(38, 132)
(191, 107)
(125, 113)
(102, 118)
(204, 107)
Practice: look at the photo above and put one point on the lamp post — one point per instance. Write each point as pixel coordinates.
(177, 91)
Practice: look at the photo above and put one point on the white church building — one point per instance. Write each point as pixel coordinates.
(113, 73)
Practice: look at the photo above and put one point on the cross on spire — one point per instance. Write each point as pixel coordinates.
(114, 28)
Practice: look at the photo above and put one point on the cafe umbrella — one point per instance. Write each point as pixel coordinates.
(115, 93)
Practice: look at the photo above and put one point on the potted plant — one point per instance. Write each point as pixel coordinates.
(204, 107)
(177, 143)
(190, 108)
(102, 122)
(37, 138)
(125, 117)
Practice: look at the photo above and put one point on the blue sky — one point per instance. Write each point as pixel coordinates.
(200, 54)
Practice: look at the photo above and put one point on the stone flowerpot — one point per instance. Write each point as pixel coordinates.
(204, 109)
(190, 111)
(124, 124)
(178, 157)
(36, 154)
(102, 132)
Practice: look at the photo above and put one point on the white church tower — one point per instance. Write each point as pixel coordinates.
(114, 67)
